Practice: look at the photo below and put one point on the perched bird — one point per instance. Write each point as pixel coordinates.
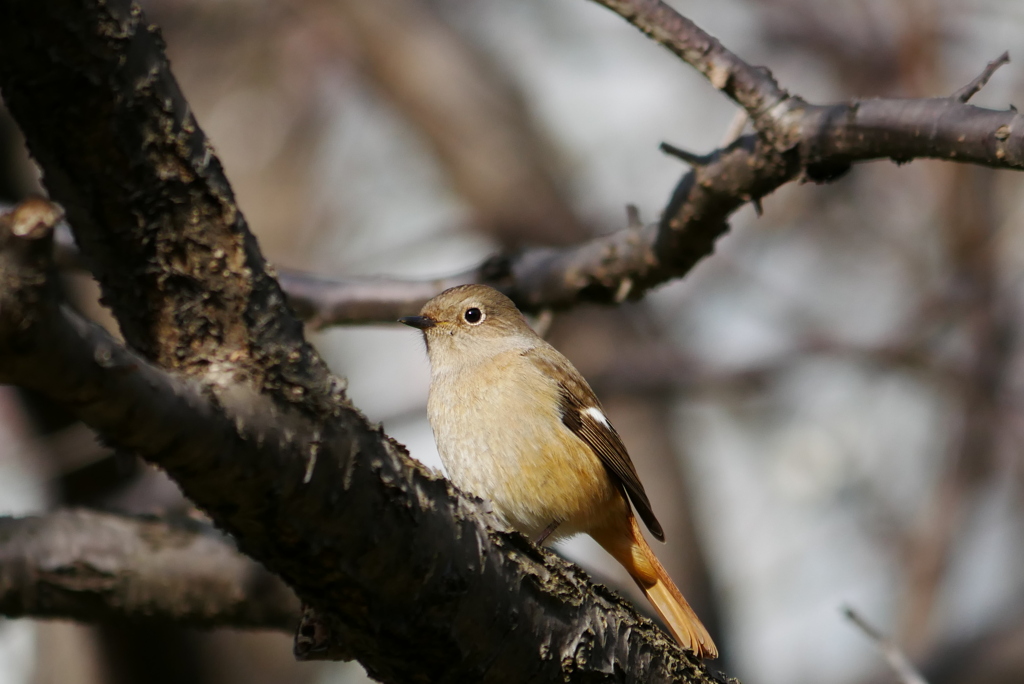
(516, 423)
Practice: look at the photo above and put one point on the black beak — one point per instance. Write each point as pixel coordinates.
(421, 322)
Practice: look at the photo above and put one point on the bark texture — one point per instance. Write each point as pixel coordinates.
(225, 394)
(221, 389)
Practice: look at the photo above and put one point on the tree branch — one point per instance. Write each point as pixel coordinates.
(795, 140)
(158, 226)
(415, 580)
(753, 89)
(98, 567)
(326, 301)
(971, 89)
(477, 125)
(260, 434)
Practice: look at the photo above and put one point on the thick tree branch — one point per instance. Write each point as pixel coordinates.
(415, 580)
(89, 85)
(261, 436)
(98, 567)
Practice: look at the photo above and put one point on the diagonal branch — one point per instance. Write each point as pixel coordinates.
(821, 142)
(972, 88)
(795, 140)
(261, 436)
(753, 89)
(476, 123)
(899, 662)
(415, 580)
(99, 567)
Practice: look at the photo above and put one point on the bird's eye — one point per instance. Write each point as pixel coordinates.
(473, 315)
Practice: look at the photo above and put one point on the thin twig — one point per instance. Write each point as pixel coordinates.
(689, 157)
(969, 90)
(900, 664)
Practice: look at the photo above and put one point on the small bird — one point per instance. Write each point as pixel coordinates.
(516, 423)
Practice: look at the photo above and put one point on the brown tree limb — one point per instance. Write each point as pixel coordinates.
(158, 226)
(826, 140)
(795, 140)
(629, 262)
(415, 581)
(99, 567)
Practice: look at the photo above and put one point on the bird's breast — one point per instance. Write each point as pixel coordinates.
(500, 436)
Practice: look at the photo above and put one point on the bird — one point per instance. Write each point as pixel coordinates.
(516, 424)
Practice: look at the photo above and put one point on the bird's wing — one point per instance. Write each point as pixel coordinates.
(582, 413)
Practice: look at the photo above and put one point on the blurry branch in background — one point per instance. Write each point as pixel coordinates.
(794, 140)
(903, 668)
(324, 301)
(971, 297)
(991, 653)
(470, 115)
(967, 227)
(99, 567)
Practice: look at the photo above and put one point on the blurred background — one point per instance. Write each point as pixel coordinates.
(828, 412)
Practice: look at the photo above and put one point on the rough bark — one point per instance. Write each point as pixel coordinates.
(99, 567)
(90, 87)
(414, 580)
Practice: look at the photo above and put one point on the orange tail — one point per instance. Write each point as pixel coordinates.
(636, 556)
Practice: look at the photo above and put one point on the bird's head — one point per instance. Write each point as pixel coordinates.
(471, 322)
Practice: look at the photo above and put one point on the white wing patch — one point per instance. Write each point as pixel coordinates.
(596, 414)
